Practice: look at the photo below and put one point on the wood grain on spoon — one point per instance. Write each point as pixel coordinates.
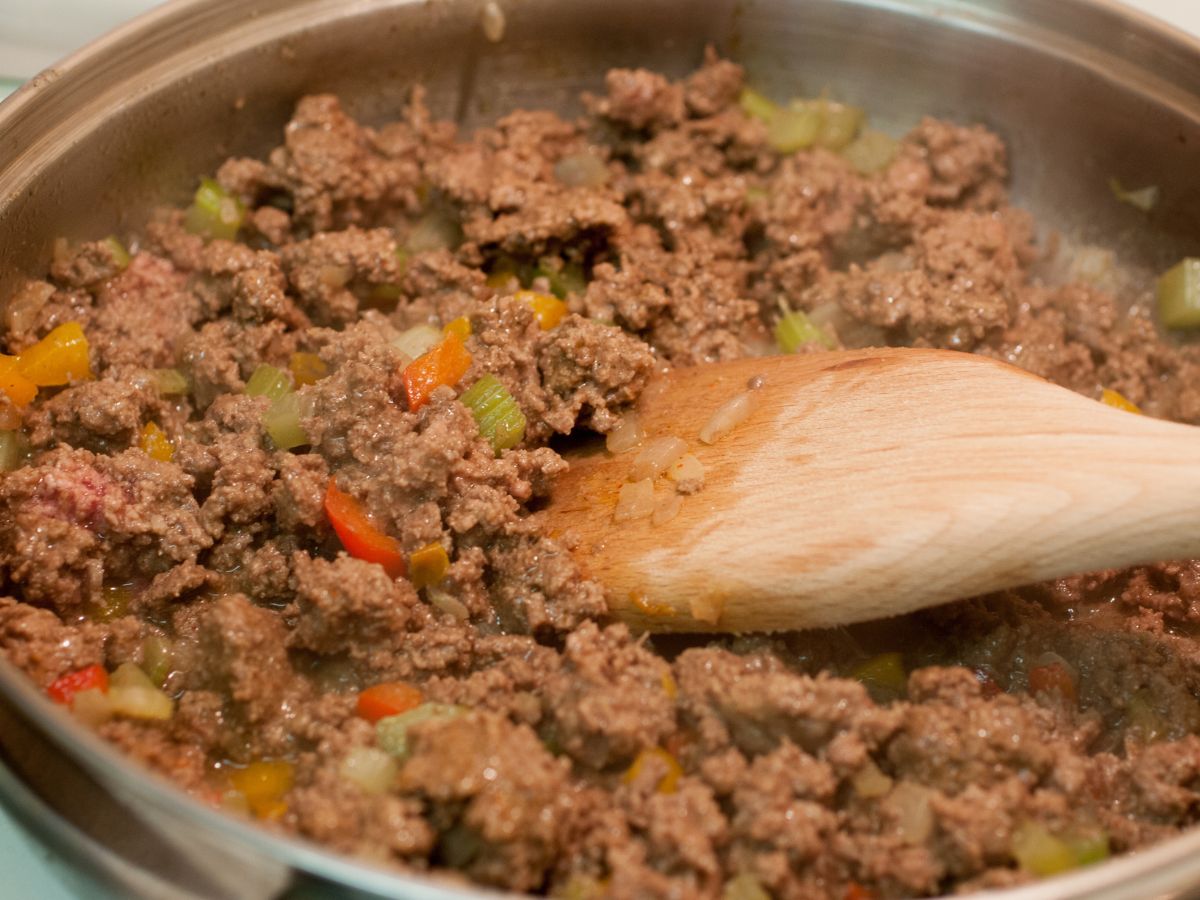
(870, 483)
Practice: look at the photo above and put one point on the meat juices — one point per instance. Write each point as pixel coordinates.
(976, 745)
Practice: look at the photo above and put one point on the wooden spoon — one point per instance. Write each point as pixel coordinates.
(869, 483)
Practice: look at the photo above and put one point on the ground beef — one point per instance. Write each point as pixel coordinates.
(553, 751)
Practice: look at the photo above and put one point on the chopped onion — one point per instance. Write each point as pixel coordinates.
(635, 502)
(334, 276)
(435, 230)
(731, 414)
(447, 603)
(131, 693)
(21, 312)
(169, 381)
(284, 421)
(744, 887)
(871, 152)
(268, 381)
(13, 447)
(417, 340)
(1144, 199)
(92, 707)
(870, 783)
(688, 473)
(656, 457)
(909, 803)
(667, 509)
(492, 21)
(581, 170)
(392, 731)
(372, 769)
(627, 435)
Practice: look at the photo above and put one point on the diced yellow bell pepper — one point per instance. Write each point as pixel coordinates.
(20, 390)
(547, 309)
(155, 443)
(61, 357)
(264, 784)
(307, 368)
(1118, 400)
(460, 326)
(428, 565)
(669, 782)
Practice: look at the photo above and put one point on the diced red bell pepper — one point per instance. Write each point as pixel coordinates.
(64, 689)
(1053, 678)
(361, 539)
(388, 699)
(446, 363)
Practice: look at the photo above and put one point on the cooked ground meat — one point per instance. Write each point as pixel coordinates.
(390, 567)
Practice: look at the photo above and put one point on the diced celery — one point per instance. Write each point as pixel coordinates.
(793, 330)
(1089, 847)
(795, 127)
(119, 254)
(500, 419)
(756, 105)
(871, 152)
(839, 124)
(268, 381)
(392, 731)
(1179, 295)
(157, 658)
(169, 381)
(284, 421)
(13, 447)
(1040, 852)
(214, 213)
(565, 280)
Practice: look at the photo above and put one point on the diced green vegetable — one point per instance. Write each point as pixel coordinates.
(795, 127)
(157, 658)
(119, 254)
(565, 280)
(13, 447)
(871, 152)
(1089, 847)
(884, 673)
(794, 330)
(392, 732)
(214, 213)
(1038, 851)
(1179, 295)
(1141, 198)
(284, 421)
(839, 124)
(500, 419)
(756, 105)
(268, 381)
(417, 340)
(169, 381)
(113, 603)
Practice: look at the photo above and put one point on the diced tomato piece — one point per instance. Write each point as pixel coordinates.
(446, 363)
(89, 678)
(1053, 678)
(388, 699)
(361, 539)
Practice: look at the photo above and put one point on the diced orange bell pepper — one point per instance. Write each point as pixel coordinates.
(428, 565)
(89, 678)
(59, 358)
(264, 784)
(20, 390)
(155, 443)
(388, 699)
(855, 891)
(361, 539)
(547, 309)
(446, 363)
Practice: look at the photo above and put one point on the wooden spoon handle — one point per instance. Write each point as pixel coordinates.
(887, 481)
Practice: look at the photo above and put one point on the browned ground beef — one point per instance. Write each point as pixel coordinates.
(809, 768)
